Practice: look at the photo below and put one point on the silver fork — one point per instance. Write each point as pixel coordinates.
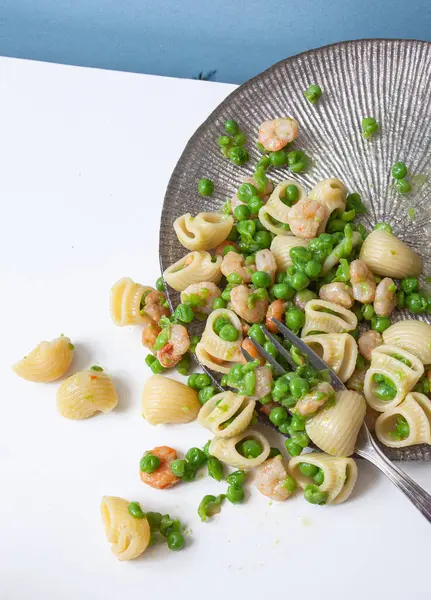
(365, 444)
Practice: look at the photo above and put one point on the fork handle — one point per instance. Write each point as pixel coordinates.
(414, 492)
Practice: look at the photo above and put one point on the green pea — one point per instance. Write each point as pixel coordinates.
(160, 284)
(278, 159)
(300, 255)
(225, 295)
(246, 191)
(206, 393)
(149, 359)
(313, 269)
(219, 323)
(261, 279)
(319, 477)
(169, 525)
(307, 469)
(183, 367)
(229, 333)
(256, 334)
(235, 494)
(292, 193)
(401, 299)
(238, 155)
(239, 139)
(201, 381)
(175, 541)
(297, 161)
(298, 422)
(295, 319)
(219, 303)
(402, 429)
(184, 313)
(231, 127)
(369, 127)
(285, 427)
(281, 388)
(135, 510)
(263, 239)
(403, 186)
(313, 93)
(178, 467)
(278, 416)
(210, 505)
(360, 362)
(368, 311)
(271, 349)
(383, 226)
(292, 447)
(255, 204)
(290, 484)
(416, 303)
(234, 278)
(399, 170)
(283, 291)
(154, 520)
(410, 285)
(205, 187)
(299, 281)
(354, 202)
(206, 449)
(274, 452)
(261, 180)
(236, 478)
(196, 457)
(149, 463)
(301, 438)
(305, 296)
(215, 468)
(264, 163)
(242, 212)
(250, 448)
(380, 324)
(313, 495)
(298, 387)
(228, 249)
(224, 140)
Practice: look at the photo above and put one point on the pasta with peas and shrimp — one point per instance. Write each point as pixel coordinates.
(407, 424)
(274, 215)
(338, 350)
(127, 302)
(129, 536)
(246, 450)
(195, 267)
(227, 414)
(327, 317)
(220, 345)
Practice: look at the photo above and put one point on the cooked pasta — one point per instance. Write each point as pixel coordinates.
(203, 232)
(227, 414)
(392, 374)
(332, 194)
(280, 247)
(388, 256)
(85, 393)
(273, 215)
(193, 268)
(125, 302)
(338, 350)
(339, 474)
(413, 336)
(225, 449)
(327, 317)
(47, 362)
(129, 536)
(215, 345)
(415, 411)
(165, 400)
(335, 429)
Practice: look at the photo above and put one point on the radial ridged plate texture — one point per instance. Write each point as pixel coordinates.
(389, 80)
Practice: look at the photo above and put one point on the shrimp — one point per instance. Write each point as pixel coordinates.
(363, 283)
(305, 218)
(368, 341)
(177, 345)
(265, 261)
(263, 383)
(385, 299)
(337, 292)
(276, 134)
(235, 201)
(311, 402)
(239, 301)
(153, 306)
(269, 478)
(235, 263)
(162, 477)
(275, 310)
(220, 248)
(149, 333)
(249, 347)
(206, 291)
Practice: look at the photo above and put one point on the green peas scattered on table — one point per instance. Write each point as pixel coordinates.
(205, 187)
(236, 478)
(149, 463)
(206, 393)
(210, 505)
(369, 127)
(196, 457)
(224, 140)
(235, 494)
(178, 467)
(239, 139)
(135, 510)
(313, 495)
(215, 468)
(354, 202)
(313, 93)
(403, 186)
(154, 520)
(399, 170)
(176, 541)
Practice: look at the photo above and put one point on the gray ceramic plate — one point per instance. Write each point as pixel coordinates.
(389, 80)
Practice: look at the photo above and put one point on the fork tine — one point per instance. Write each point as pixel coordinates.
(279, 369)
(282, 350)
(248, 357)
(315, 360)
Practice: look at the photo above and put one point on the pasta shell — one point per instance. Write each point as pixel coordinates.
(388, 256)
(318, 319)
(416, 409)
(280, 247)
(413, 336)
(225, 450)
(212, 362)
(85, 393)
(47, 362)
(195, 267)
(338, 350)
(332, 193)
(129, 537)
(276, 209)
(214, 345)
(165, 400)
(125, 302)
(226, 414)
(203, 232)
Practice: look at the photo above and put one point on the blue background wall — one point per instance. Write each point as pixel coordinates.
(238, 38)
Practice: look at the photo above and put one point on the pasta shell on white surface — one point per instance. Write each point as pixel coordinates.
(125, 302)
(85, 393)
(399, 366)
(213, 343)
(227, 414)
(280, 248)
(47, 362)
(416, 410)
(338, 350)
(195, 267)
(327, 317)
(165, 400)
(332, 193)
(203, 232)
(128, 536)
(340, 474)
(413, 336)
(270, 479)
(335, 429)
(388, 256)
(225, 450)
(273, 215)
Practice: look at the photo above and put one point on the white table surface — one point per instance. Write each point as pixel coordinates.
(84, 166)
